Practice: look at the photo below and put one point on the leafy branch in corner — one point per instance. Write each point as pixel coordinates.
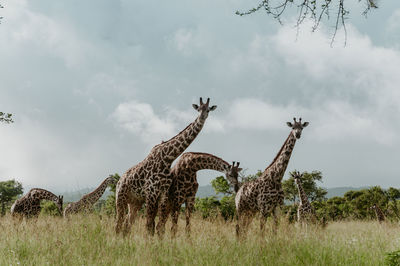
(312, 10)
(6, 118)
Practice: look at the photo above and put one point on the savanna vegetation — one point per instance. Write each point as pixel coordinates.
(352, 236)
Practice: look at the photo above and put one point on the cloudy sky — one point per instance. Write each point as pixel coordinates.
(93, 85)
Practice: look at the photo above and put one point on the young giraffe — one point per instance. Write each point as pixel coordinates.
(149, 181)
(305, 211)
(379, 213)
(265, 193)
(184, 185)
(29, 204)
(88, 200)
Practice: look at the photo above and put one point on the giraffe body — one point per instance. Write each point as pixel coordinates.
(88, 200)
(265, 194)
(29, 205)
(149, 181)
(305, 211)
(184, 185)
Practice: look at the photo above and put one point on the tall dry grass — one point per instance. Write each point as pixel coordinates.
(90, 240)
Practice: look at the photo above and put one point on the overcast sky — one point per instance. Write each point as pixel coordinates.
(94, 85)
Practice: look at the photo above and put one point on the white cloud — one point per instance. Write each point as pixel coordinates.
(25, 28)
(139, 118)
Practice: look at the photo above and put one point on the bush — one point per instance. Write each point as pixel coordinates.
(208, 207)
(227, 207)
(49, 208)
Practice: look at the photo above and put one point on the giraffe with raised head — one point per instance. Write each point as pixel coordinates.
(305, 211)
(87, 201)
(184, 185)
(265, 194)
(380, 216)
(29, 205)
(149, 181)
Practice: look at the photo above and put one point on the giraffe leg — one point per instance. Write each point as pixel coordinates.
(121, 208)
(151, 212)
(174, 217)
(165, 210)
(275, 214)
(133, 209)
(189, 210)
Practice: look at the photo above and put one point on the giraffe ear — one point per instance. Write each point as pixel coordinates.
(305, 124)
(240, 169)
(212, 108)
(195, 106)
(289, 124)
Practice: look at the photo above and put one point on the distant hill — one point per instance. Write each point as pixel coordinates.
(340, 191)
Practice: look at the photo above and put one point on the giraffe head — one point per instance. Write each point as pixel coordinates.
(296, 175)
(204, 108)
(60, 203)
(297, 127)
(111, 180)
(232, 174)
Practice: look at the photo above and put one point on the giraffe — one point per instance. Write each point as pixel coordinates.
(305, 211)
(265, 193)
(184, 186)
(149, 181)
(29, 204)
(380, 216)
(88, 200)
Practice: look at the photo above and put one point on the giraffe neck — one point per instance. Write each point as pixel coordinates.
(47, 195)
(194, 162)
(95, 195)
(379, 213)
(302, 195)
(174, 147)
(277, 168)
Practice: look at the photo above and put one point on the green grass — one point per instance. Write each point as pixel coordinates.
(90, 240)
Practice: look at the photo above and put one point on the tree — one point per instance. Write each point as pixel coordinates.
(311, 9)
(9, 190)
(221, 185)
(394, 196)
(6, 118)
(308, 180)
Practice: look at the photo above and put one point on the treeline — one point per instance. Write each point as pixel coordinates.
(354, 205)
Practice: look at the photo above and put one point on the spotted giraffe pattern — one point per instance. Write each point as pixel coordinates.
(29, 205)
(87, 201)
(380, 216)
(305, 211)
(184, 185)
(149, 181)
(265, 194)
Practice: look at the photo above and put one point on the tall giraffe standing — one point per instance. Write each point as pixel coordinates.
(380, 216)
(88, 200)
(184, 185)
(29, 204)
(265, 193)
(305, 211)
(149, 181)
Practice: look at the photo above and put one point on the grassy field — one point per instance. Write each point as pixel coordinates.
(90, 240)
